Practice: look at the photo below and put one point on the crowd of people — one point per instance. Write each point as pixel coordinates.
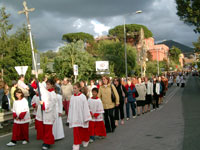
(93, 110)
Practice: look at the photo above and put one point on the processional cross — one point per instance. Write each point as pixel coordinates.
(26, 12)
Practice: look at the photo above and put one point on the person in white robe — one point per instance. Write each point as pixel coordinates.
(177, 80)
(79, 117)
(58, 130)
(96, 125)
(21, 115)
(182, 81)
(46, 114)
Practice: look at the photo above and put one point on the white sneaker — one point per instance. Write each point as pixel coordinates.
(75, 147)
(127, 119)
(91, 140)
(85, 144)
(134, 117)
(24, 142)
(11, 144)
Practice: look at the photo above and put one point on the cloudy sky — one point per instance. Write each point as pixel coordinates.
(53, 18)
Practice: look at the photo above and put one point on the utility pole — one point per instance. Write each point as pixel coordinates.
(125, 50)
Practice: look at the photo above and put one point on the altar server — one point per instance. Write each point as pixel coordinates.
(21, 117)
(79, 117)
(58, 130)
(96, 125)
(46, 114)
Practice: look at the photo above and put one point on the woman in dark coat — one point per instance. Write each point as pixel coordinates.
(119, 110)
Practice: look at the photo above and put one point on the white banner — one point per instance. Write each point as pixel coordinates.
(102, 66)
(75, 68)
(21, 69)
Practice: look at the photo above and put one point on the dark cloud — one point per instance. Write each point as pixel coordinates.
(53, 18)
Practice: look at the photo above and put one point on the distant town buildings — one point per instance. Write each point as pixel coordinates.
(158, 52)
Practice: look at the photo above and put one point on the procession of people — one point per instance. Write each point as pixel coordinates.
(93, 110)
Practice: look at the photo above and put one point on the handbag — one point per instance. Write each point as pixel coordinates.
(113, 95)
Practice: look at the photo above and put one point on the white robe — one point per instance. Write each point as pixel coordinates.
(48, 115)
(36, 101)
(58, 130)
(20, 106)
(182, 80)
(79, 113)
(96, 106)
(177, 79)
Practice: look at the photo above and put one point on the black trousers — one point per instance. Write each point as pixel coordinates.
(119, 110)
(109, 120)
(155, 103)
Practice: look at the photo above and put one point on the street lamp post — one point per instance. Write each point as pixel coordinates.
(125, 50)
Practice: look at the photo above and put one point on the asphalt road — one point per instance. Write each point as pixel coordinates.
(175, 126)
(191, 108)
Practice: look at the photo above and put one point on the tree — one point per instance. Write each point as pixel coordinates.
(197, 45)
(118, 31)
(189, 12)
(174, 54)
(71, 54)
(4, 38)
(20, 54)
(71, 37)
(17, 52)
(47, 58)
(152, 68)
(113, 51)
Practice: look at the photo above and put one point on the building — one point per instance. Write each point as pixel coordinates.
(157, 52)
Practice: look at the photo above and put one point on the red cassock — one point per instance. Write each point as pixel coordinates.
(48, 134)
(39, 128)
(66, 106)
(44, 132)
(20, 132)
(80, 135)
(97, 128)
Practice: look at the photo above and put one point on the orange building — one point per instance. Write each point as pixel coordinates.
(158, 52)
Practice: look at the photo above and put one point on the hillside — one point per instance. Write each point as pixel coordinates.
(185, 49)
